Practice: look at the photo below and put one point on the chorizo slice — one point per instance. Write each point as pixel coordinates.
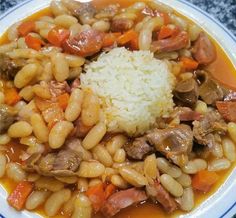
(121, 200)
(204, 50)
(85, 44)
(121, 25)
(174, 43)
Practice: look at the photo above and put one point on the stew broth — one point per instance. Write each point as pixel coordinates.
(222, 69)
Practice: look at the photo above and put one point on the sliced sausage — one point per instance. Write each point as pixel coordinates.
(85, 44)
(204, 51)
(174, 43)
(157, 192)
(121, 200)
(121, 25)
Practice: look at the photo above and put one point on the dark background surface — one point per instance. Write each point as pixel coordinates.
(223, 10)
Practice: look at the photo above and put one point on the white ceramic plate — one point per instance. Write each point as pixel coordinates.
(223, 202)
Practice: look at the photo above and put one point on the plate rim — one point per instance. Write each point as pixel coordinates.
(185, 2)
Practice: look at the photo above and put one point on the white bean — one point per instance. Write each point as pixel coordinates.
(20, 129)
(166, 167)
(25, 75)
(15, 172)
(61, 67)
(102, 155)
(59, 133)
(150, 167)
(82, 207)
(171, 185)
(229, 149)
(65, 20)
(3, 163)
(185, 180)
(187, 200)
(232, 131)
(39, 127)
(91, 169)
(119, 182)
(219, 164)
(94, 136)
(49, 184)
(74, 105)
(55, 201)
(115, 143)
(4, 139)
(132, 176)
(36, 199)
(120, 156)
(195, 166)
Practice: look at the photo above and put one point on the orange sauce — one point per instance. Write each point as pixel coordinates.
(222, 69)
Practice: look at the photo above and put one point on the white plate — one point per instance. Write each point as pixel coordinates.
(223, 202)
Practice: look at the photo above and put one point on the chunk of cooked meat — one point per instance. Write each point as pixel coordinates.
(83, 11)
(181, 40)
(121, 25)
(108, 12)
(227, 110)
(210, 91)
(204, 50)
(138, 149)
(173, 140)
(121, 200)
(207, 126)
(86, 43)
(81, 130)
(158, 193)
(58, 88)
(9, 67)
(187, 92)
(185, 114)
(66, 160)
(64, 163)
(7, 117)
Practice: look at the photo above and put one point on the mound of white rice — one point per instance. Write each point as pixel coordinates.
(134, 88)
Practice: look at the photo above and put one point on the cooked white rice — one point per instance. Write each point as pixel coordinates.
(134, 88)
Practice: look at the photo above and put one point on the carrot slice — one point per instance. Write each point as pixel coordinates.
(165, 32)
(19, 195)
(110, 38)
(11, 96)
(33, 42)
(134, 45)
(189, 64)
(63, 100)
(57, 36)
(26, 27)
(96, 195)
(127, 37)
(203, 180)
(109, 190)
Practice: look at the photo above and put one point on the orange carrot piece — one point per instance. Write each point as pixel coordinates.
(19, 195)
(11, 96)
(33, 42)
(127, 37)
(203, 180)
(189, 64)
(57, 36)
(109, 190)
(63, 100)
(165, 32)
(96, 195)
(26, 27)
(110, 38)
